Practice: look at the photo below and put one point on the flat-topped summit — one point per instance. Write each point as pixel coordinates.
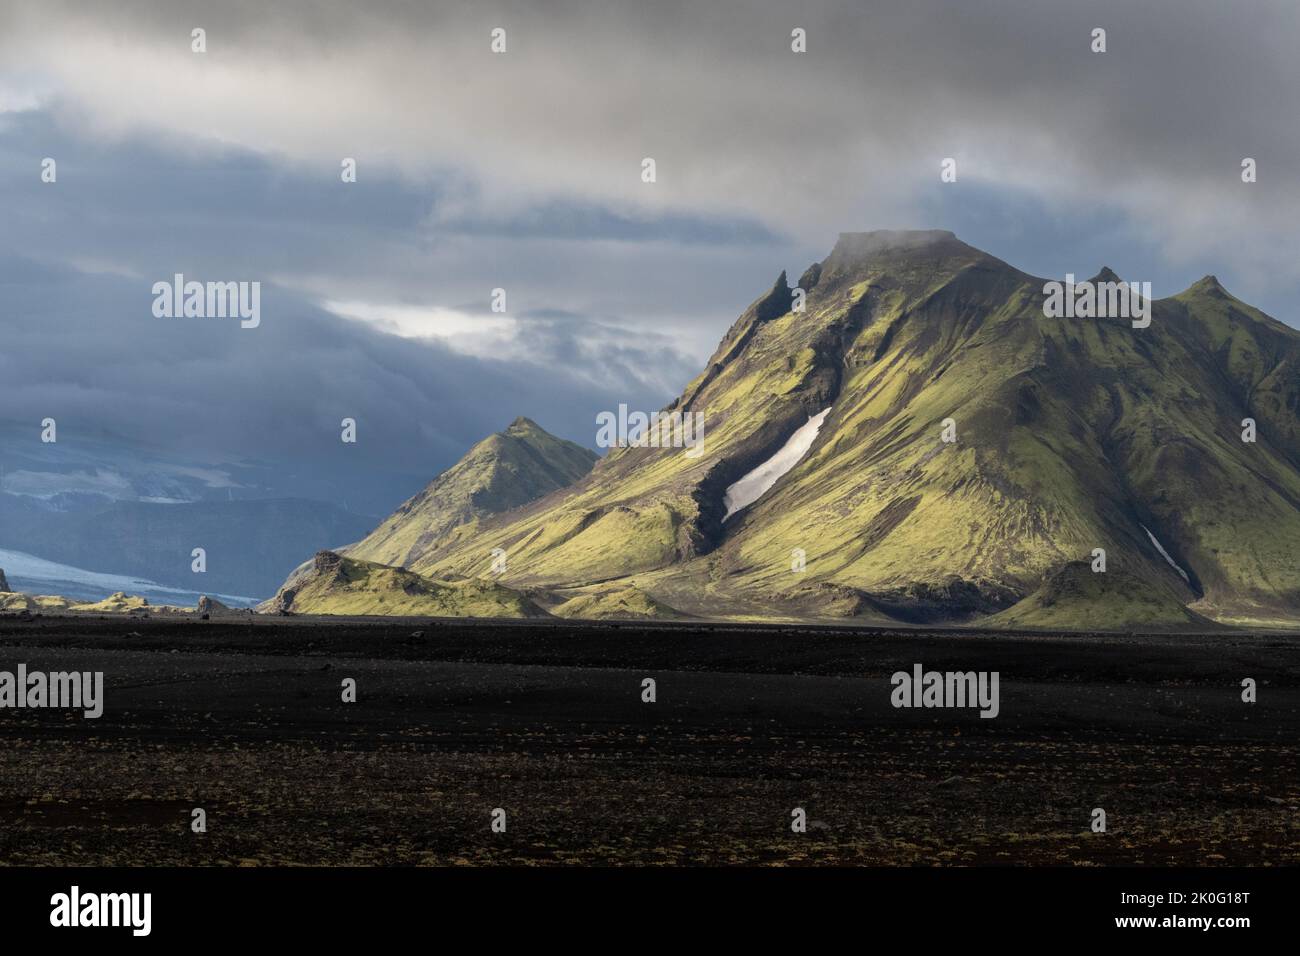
(859, 245)
(855, 251)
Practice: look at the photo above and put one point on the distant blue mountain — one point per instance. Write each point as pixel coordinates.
(110, 505)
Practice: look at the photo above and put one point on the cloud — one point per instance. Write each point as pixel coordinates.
(849, 133)
(86, 349)
(522, 171)
(550, 341)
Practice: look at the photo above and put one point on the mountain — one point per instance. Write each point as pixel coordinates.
(503, 471)
(824, 488)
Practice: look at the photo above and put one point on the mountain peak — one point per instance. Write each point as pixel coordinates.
(1209, 285)
(506, 470)
(1107, 274)
(777, 301)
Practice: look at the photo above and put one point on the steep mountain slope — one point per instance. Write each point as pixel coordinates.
(1069, 435)
(503, 471)
(643, 508)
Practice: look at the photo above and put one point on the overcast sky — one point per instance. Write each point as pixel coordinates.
(522, 171)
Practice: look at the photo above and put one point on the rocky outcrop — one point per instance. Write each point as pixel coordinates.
(327, 562)
(209, 607)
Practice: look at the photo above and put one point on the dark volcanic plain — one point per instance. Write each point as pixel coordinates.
(546, 721)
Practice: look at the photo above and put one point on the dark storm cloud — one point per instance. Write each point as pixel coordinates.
(522, 171)
(736, 121)
(750, 138)
(82, 348)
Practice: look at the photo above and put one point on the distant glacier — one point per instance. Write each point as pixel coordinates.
(33, 575)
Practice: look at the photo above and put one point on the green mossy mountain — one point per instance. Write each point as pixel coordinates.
(1072, 434)
(503, 471)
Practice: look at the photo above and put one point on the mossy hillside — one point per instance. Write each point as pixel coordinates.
(639, 509)
(1076, 598)
(880, 500)
(340, 585)
(787, 369)
(1254, 349)
(504, 471)
(627, 602)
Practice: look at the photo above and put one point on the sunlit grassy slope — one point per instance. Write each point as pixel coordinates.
(346, 586)
(1075, 597)
(503, 471)
(627, 601)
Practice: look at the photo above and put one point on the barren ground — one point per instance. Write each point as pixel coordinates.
(546, 721)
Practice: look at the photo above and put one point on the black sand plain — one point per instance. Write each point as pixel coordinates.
(244, 718)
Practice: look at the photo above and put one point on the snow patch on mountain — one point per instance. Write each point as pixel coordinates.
(756, 484)
(1165, 554)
